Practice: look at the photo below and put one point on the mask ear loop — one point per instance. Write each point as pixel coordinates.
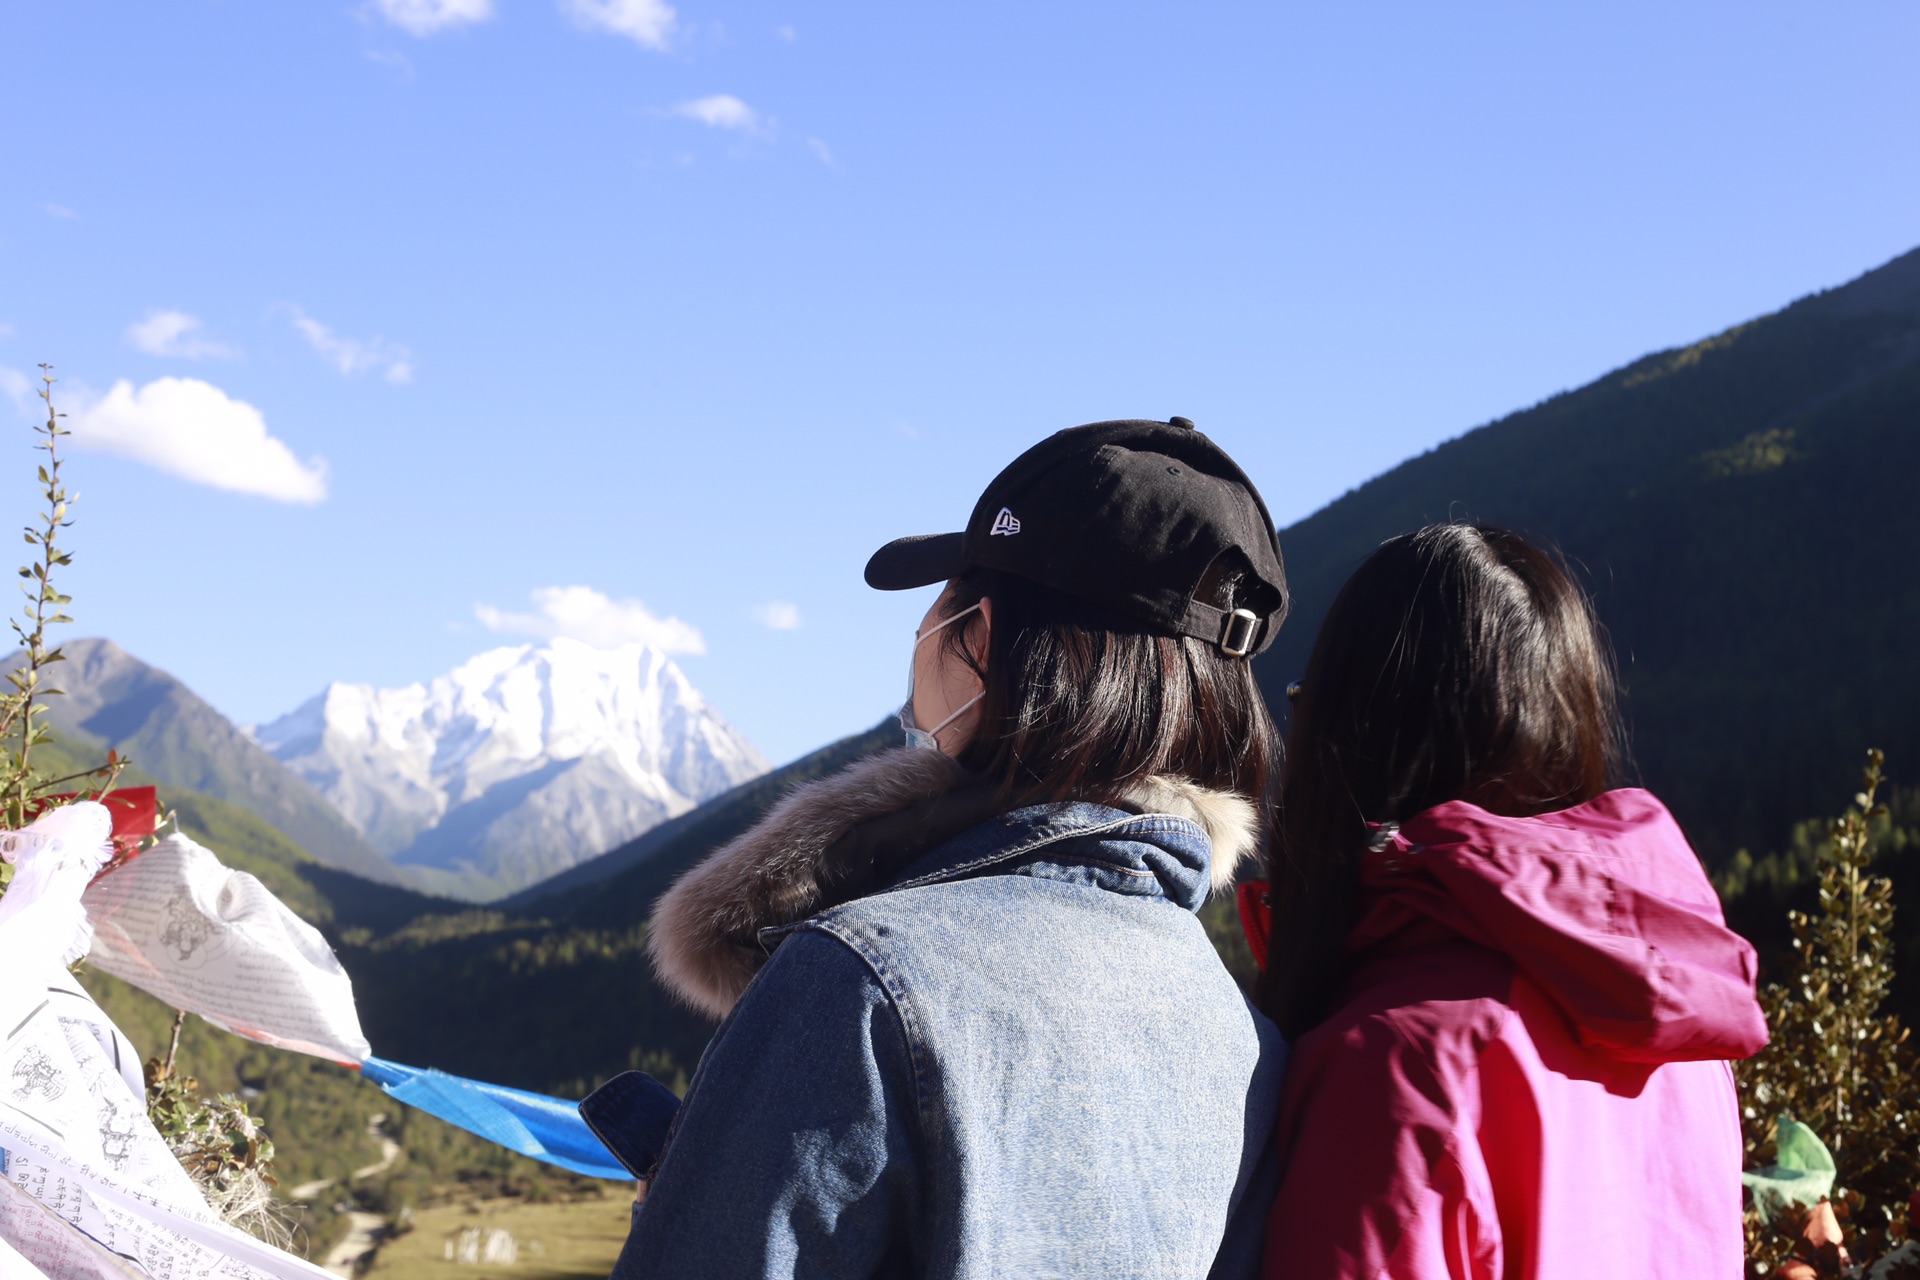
(918, 636)
(906, 718)
(934, 732)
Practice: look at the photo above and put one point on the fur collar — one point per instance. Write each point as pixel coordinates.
(703, 942)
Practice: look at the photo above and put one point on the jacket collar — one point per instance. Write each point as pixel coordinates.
(892, 820)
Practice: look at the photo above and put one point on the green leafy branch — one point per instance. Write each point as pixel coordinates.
(23, 790)
(20, 714)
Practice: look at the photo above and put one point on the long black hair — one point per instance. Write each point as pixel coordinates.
(1458, 662)
(1082, 704)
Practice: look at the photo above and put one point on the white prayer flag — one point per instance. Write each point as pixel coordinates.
(91, 1189)
(59, 1252)
(179, 925)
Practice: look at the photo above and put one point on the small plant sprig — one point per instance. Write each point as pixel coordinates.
(23, 789)
(20, 712)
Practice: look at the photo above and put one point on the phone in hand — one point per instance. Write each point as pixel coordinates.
(632, 1114)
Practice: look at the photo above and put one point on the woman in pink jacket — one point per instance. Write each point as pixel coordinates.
(1511, 991)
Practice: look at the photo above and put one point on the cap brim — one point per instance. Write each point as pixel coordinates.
(916, 562)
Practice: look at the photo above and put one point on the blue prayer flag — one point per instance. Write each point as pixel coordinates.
(533, 1124)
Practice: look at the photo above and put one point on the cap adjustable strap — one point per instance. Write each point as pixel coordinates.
(1236, 631)
(1243, 626)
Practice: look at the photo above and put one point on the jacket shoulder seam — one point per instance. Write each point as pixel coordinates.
(897, 1000)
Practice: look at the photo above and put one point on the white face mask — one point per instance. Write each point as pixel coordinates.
(926, 739)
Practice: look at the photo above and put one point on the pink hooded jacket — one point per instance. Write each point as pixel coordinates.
(1527, 1073)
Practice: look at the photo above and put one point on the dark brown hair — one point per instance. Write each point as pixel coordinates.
(1458, 663)
(1080, 704)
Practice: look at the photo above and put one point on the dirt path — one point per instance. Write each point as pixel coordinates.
(363, 1235)
(361, 1242)
(389, 1152)
(308, 1190)
(389, 1149)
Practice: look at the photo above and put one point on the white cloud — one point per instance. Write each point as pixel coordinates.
(19, 388)
(721, 111)
(648, 23)
(778, 615)
(194, 430)
(581, 613)
(176, 334)
(58, 211)
(354, 355)
(424, 17)
(821, 151)
(788, 33)
(392, 60)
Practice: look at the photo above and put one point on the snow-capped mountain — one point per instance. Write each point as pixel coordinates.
(518, 764)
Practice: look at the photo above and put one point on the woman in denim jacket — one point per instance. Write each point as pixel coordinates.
(972, 1026)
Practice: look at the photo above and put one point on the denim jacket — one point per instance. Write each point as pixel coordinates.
(1006, 1050)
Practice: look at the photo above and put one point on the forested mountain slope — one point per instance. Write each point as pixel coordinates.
(1745, 512)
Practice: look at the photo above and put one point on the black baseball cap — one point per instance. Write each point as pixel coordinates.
(1130, 517)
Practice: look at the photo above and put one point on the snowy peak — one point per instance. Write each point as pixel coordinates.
(520, 762)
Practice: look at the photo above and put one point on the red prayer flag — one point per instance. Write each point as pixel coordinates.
(135, 812)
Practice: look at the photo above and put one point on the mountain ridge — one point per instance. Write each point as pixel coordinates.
(111, 699)
(1739, 510)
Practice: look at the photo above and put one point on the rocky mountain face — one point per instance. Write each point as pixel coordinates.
(518, 764)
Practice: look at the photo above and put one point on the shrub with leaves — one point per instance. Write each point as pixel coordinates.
(222, 1148)
(1837, 1063)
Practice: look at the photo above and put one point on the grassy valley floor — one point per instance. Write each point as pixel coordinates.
(553, 1241)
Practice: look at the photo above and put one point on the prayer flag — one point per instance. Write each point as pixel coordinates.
(88, 1178)
(179, 925)
(548, 1129)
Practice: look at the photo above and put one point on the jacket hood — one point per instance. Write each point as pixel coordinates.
(1604, 907)
(826, 842)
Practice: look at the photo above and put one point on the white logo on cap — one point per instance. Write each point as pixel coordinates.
(1004, 523)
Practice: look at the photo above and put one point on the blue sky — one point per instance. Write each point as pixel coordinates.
(390, 323)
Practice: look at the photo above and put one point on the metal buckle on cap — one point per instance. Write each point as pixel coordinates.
(1243, 626)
